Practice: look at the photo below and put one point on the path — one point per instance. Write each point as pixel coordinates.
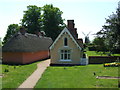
(31, 81)
(107, 77)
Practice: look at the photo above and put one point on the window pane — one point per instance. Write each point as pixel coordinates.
(62, 56)
(68, 51)
(65, 42)
(68, 56)
(65, 51)
(65, 56)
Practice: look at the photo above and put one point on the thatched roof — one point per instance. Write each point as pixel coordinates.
(27, 43)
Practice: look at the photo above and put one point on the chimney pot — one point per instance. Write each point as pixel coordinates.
(38, 33)
(22, 30)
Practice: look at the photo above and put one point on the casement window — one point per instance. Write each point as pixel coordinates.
(65, 42)
(65, 54)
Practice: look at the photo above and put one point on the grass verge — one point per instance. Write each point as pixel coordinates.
(78, 77)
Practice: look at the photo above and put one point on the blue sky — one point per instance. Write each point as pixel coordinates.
(88, 15)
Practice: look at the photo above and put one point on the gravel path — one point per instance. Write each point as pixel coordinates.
(31, 81)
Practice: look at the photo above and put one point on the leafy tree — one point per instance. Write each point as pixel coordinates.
(99, 44)
(32, 19)
(111, 31)
(52, 21)
(11, 30)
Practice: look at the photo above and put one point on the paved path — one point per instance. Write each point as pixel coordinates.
(31, 81)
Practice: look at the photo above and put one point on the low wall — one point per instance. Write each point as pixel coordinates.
(102, 59)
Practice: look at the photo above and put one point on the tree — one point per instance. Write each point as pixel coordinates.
(11, 30)
(111, 31)
(99, 44)
(32, 19)
(52, 21)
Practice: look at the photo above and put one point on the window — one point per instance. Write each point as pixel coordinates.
(65, 54)
(65, 42)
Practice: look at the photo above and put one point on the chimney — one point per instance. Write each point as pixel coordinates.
(38, 33)
(71, 25)
(22, 30)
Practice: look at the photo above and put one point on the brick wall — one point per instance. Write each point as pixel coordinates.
(23, 57)
(102, 59)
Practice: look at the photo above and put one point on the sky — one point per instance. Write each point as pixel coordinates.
(88, 15)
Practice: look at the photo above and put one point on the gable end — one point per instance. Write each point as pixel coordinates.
(66, 31)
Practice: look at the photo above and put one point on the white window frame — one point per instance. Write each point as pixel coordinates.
(62, 58)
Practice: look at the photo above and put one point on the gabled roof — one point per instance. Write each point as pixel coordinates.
(27, 43)
(71, 35)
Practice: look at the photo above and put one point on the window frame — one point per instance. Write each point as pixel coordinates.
(63, 53)
(65, 42)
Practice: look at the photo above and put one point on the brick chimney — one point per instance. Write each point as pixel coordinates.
(22, 30)
(71, 25)
(38, 33)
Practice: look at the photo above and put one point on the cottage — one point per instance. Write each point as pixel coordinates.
(67, 49)
(25, 48)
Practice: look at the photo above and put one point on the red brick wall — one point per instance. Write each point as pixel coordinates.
(31, 57)
(23, 57)
(102, 59)
(12, 58)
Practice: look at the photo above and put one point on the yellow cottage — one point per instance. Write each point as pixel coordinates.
(67, 49)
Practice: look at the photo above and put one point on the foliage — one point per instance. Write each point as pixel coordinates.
(99, 44)
(46, 19)
(14, 75)
(11, 30)
(78, 77)
(52, 21)
(111, 31)
(32, 19)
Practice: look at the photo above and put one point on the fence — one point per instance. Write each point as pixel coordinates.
(103, 59)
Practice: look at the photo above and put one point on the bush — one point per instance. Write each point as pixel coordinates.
(92, 48)
(6, 70)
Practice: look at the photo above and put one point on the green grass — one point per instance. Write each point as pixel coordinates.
(0, 78)
(78, 77)
(94, 53)
(16, 74)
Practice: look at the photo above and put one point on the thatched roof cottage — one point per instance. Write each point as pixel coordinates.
(25, 48)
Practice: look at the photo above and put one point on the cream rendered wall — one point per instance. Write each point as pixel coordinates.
(76, 54)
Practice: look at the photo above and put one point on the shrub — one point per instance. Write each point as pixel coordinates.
(6, 70)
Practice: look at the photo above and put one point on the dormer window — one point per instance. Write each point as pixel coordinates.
(65, 42)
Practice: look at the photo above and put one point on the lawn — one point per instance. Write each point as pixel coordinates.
(16, 74)
(94, 53)
(78, 77)
(0, 77)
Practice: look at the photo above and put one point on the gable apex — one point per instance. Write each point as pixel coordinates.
(65, 30)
